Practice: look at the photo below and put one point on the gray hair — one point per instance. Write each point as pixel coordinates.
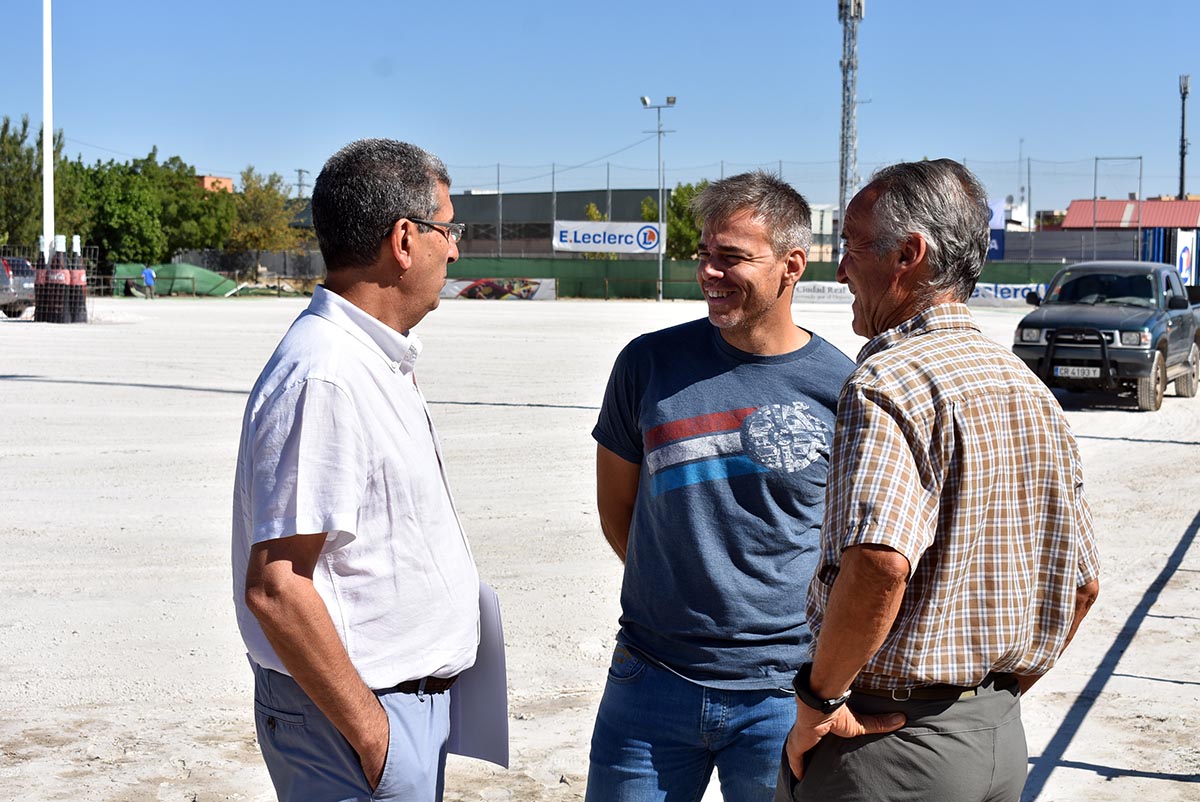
(943, 202)
(771, 200)
(364, 189)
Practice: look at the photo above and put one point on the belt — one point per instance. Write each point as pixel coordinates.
(427, 685)
(940, 692)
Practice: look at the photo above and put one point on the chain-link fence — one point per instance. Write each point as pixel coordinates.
(301, 265)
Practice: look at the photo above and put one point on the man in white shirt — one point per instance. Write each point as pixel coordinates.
(355, 588)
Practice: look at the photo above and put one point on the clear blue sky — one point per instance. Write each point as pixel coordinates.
(281, 86)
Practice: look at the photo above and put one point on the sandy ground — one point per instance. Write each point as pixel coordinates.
(122, 675)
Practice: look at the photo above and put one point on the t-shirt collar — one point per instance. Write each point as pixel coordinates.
(934, 318)
(399, 350)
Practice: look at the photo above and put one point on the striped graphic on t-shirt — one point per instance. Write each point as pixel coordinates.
(698, 449)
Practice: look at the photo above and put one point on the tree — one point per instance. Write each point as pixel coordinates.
(263, 219)
(649, 210)
(683, 234)
(191, 217)
(73, 212)
(592, 212)
(20, 184)
(125, 225)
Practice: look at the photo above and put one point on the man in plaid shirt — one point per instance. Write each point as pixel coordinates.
(957, 554)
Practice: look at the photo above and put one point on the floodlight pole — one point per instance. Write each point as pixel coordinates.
(47, 135)
(658, 107)
(850, 13)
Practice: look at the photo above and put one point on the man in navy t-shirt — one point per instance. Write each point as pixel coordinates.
(714, 442)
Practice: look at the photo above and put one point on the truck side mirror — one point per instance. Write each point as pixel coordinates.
(1032, 298)
(1178, 302)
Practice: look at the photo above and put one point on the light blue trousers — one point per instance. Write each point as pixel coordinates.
(310, 761)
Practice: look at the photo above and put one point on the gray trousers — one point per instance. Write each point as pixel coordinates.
(970, 749)
(310, 761)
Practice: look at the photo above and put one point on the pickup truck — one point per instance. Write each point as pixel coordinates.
(1119, 327)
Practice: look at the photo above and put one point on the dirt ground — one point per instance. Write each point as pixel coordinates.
(122, 676)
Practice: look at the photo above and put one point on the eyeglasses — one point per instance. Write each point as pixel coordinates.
(453, 231)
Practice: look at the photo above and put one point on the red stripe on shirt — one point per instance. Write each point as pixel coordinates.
(701, 424)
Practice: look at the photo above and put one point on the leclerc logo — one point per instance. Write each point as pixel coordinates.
(647, 238)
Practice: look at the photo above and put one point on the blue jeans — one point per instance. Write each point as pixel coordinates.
(658, 737)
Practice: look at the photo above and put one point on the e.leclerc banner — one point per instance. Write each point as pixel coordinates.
(585, 235)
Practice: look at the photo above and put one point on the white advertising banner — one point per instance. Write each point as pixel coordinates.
(821, 292)
(601, 237)
(1185, 255)
(999, 213)
(1004, 294)
(984, 294)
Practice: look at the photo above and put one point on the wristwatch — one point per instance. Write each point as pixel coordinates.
(804, 692)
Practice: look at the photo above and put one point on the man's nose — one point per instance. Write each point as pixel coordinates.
(452, 255)
(841, 272)
(706, 269)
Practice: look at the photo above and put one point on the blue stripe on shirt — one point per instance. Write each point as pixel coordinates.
(705, 471)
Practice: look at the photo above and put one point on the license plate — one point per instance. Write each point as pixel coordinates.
(1076, 372)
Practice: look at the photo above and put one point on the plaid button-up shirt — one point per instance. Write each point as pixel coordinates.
(950, 451)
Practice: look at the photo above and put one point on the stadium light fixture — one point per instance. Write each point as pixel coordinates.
(658, 107)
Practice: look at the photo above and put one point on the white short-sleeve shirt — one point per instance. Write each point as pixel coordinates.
(336, 438)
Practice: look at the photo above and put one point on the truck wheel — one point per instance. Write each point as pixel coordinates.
(1187, 384)
(1150, 389)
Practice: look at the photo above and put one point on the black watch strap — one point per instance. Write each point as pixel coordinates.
(801, 684)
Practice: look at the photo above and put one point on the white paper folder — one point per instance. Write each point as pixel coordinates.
(479, 698)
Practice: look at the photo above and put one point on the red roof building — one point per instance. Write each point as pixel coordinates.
(1124, 214)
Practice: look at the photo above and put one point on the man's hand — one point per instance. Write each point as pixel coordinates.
(281, 595)
(813, 725)
(373, 757)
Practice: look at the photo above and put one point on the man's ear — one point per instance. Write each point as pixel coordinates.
(400, 243)
(793, 266)
(912, 251)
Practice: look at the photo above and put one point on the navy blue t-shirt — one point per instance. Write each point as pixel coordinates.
(734, 451)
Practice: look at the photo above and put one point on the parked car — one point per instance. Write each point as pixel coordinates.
(16, 285)
(1119, 327)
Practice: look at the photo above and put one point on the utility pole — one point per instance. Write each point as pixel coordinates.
(1184, 80)
(300, 173)
(850, 12)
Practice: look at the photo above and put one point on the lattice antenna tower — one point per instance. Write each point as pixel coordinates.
(850, 12)
(1184, 88)
(300, 185)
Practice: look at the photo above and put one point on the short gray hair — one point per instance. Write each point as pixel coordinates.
(364, 189)
(943, 202)
(770, 199)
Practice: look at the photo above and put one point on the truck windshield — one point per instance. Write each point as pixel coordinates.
(1130, 289)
